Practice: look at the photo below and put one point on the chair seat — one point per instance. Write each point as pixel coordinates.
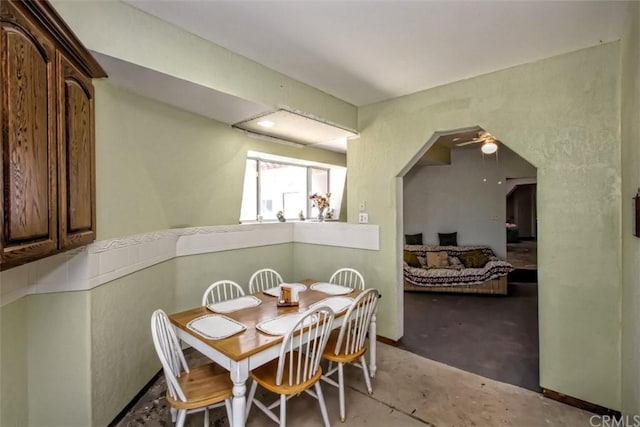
(203, 386)
(265, 375)
(341, 357)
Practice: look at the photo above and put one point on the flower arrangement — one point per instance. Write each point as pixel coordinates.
(320, 201)
(280, 216)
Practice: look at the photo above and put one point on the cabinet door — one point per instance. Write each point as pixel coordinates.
(76, 156)
(28, 207)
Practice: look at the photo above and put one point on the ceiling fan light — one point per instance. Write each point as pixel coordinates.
(489, 147)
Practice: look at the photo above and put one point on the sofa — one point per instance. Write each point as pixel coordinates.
(460, 269)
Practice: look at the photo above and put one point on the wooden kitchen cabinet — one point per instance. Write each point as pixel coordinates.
(47, 172)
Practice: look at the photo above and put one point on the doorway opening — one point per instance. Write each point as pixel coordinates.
(522, 243)
(455, 187)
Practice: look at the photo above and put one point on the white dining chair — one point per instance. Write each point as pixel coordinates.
(264, 279)
(221, 290)
(298, 367)
(348, 344)
(348, 277)
(188, 390)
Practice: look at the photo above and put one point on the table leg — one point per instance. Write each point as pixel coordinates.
(239, 375)
(372, 346)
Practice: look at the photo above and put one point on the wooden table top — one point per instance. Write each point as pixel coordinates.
(252, 341)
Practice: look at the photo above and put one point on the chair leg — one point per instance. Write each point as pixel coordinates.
(341, 390)
(323, 407)
(252, 393)
(227, 404)
(283, 410)
(174, 414)
(182, 414)
(365, 371)
(206, 417)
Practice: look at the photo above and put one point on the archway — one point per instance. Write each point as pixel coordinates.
(452, 188)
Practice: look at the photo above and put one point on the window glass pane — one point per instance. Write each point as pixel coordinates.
(249, 209)
(319, 184)
(282, 188)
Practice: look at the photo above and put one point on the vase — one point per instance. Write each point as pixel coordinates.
(320, 215)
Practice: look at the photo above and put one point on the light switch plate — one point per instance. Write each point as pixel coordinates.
(363, 218)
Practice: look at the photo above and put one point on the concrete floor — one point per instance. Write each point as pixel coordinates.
(409, 390)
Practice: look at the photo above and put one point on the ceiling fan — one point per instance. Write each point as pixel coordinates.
(489, 142)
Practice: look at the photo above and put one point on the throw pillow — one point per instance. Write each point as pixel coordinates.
(413, 239)
(473, 259)
(448, 239)
(437, 259)
(454, 261)
(411, 259)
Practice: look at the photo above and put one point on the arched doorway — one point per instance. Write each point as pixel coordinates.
(452, 186)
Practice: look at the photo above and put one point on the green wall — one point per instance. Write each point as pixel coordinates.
(123, 359)
(562, 115)
(195, 273)
(59, 357)
(630, 186)
(13, 364)
(159, 167)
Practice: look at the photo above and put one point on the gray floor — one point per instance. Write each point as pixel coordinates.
(409, 390)
(490, 335)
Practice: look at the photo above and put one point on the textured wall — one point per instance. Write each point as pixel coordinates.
(319, 262)
(13, 364)
(159, 167)
(123, 359)
(195, 273)
(630, 184)
(562, 115)
(59, 356)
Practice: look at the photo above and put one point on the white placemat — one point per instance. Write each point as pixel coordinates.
(215, 326)
(337, 304)
(282, 324)
(236, 304)
(275, 292)
(331, 289)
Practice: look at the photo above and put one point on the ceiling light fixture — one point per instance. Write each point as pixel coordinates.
(266, 124)
(296, 127)
(489, 147)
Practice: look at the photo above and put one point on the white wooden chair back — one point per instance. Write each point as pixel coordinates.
(353, 332)
(169, 352)
(264, 279)
(304, 357)
(348, 277)
(221, 290)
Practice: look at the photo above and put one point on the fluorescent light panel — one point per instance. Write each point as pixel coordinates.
(295, 127)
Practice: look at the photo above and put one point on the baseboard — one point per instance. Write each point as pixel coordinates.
(135, 400)
(581, 404)
(388, 341)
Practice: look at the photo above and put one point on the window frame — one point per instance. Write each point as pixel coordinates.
(308, 169)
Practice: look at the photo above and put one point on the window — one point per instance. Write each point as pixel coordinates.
(277, 185)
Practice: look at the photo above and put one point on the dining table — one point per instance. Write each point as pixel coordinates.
(251, 348)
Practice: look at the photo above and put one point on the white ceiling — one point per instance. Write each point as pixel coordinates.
(368, 51)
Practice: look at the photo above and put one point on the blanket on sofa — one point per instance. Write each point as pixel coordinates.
(455, 274)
